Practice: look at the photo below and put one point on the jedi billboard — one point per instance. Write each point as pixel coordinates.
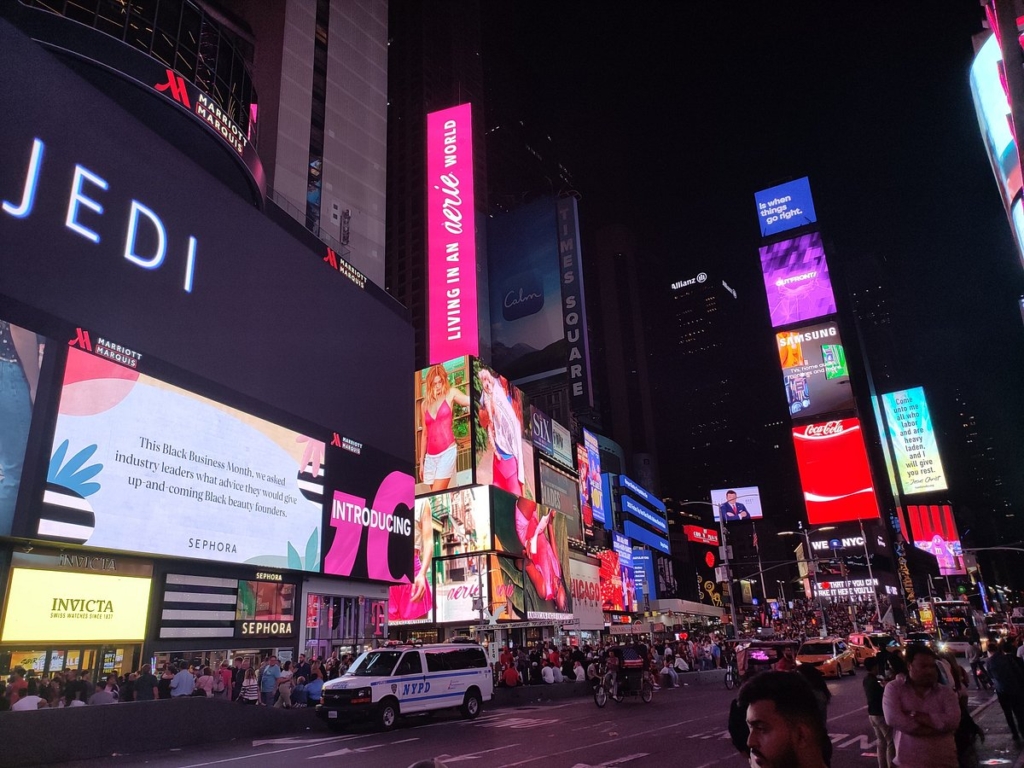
(912, 438)
(834, 472)
(453, 325)
(796, 280)
(785, 206)
(814, 370)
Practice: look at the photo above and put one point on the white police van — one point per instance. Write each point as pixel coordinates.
(402, 680)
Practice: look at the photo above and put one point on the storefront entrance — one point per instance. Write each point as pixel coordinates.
(93, 661)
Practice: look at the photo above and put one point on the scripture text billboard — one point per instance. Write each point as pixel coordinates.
(913, 441)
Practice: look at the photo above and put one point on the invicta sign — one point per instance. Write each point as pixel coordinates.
(81, 608)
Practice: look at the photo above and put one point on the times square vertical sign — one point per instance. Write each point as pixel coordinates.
(451, 236)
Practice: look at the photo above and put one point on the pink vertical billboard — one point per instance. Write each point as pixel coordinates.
(451, 236)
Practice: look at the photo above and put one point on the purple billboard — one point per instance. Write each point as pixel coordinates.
(796, 280)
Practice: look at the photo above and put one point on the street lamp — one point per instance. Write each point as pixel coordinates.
(813, 565)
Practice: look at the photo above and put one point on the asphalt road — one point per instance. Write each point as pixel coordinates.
(682, 727)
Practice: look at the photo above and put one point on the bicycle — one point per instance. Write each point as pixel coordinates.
(732, 676)
(633, 684)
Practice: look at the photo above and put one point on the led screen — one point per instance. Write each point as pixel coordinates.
(501, 438)
(527, 338)
(595, 484)
(463, 587)
(265, 601)
(370, 532)
(587, 605)
(643, 572)
(834, 472)
(67, 606)
(814, 370)
(453, 327)
(21, 356)
(561, 492)
(993, 111)
(537, 534)
(444, 452)
(934, 530)
(586, 508)
(736, 504)
(785, 206)
(913, 441)
(618, 585)
(413, 603)
(229, 487)
(796, 280)
(540, 431)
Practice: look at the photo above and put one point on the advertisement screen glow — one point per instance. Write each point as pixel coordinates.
(785, 206)
(737, 504)
(63, 606)
(237, 488)
(796, 280)
(913, 441)
(594, 484)
(934, 530)
(501, 437)
(451, 235)
(834, 472)
(814, 370)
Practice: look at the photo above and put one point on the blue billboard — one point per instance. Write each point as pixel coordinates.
(643, 574)
(635, 533)
(641, 493)
(785, 206)
(639, 511)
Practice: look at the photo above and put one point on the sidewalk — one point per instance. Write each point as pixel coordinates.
(998, 748)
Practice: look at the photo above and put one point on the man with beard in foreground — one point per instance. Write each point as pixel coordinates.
(786, 729)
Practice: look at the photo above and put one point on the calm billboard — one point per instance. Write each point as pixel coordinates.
(453, 327)
(834, 472)
(796, 280)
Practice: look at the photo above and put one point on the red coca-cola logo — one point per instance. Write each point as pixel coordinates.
(824, 429)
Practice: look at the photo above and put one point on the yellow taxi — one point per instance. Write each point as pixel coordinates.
(831, 655)
(868, 644)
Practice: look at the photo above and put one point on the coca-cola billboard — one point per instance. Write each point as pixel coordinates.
(834, 472)
(586, 595)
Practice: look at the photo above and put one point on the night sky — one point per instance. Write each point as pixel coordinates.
(672, 116)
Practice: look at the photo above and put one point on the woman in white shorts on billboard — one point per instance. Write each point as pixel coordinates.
(437, 443)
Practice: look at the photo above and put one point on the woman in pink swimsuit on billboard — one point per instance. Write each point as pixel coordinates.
(438, 450)
(504, 434)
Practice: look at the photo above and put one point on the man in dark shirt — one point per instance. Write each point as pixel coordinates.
(145, 684)
(885, 747)
(1007, 674)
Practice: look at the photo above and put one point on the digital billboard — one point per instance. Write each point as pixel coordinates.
(444, 452)
(70, 606)
(413, 603)
(993, 110)
(912, 438)
(462, 588)
(618, 586)
(737, 504)
(561, 444)
(540, 431)
(643, 536)
(452, 320)
(461, 519)
(643, 573)
(814, 370)
(796, 280)
(527, 338)
(561, 492)
(595, 486)
(21, 356)
(265, 601)
(933, 529)
(587, 605)
(237, 488)
(583, 481)
(834, 472)
(785, 206)
(370, 532)
(538, 535)
(501, 435)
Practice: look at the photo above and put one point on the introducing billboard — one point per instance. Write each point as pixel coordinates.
(21, 356)
(785, 206)
(913, 441)
(452, 322)
(536, 534)
(527, 337)
(814, 370)
(834, 472)
(444, 453)
(229, 487)
(796, 280)
(501, 437)
(736, 504)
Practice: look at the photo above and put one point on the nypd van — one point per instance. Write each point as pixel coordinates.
(387, 682)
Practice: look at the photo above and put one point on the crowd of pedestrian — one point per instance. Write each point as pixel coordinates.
(265, 682)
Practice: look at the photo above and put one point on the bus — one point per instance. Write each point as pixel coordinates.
(957, 625)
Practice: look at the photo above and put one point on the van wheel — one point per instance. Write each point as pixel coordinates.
(471, 706)
(387, 714)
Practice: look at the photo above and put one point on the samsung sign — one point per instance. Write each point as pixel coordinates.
(643, 513)
(642, 535)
